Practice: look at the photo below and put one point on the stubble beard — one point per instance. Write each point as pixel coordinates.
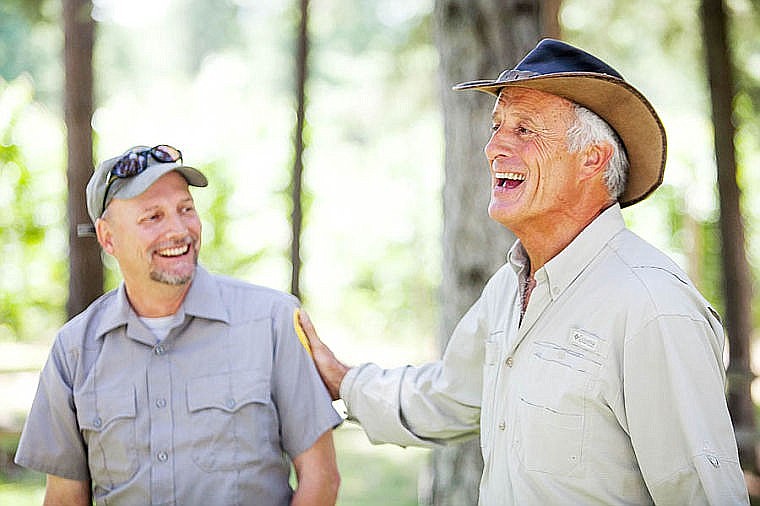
(172, 279)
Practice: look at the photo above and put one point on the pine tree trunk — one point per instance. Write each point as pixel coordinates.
(85, 264)
(737, 277)
(476, 39)
(296, 184)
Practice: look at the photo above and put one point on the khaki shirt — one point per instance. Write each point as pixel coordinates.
(209, 415)
(609, 391)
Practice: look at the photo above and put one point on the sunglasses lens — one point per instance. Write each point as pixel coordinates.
(166, 154)
(129, 165)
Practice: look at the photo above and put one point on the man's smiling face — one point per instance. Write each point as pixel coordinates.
(155, 236)
(533, 174)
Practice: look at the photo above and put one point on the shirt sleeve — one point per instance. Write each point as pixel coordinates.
(428, 405)
(51, 442)
(679, 423)
(304, 407)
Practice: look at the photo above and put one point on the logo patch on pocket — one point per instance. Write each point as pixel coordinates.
(585, 340)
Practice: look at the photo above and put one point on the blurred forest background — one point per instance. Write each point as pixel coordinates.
(219, 80)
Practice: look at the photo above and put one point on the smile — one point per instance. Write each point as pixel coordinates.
(174, 252)
(508, 179)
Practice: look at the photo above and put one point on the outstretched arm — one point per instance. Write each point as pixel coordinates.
(410, 406)
(330, 368)
(317, 473)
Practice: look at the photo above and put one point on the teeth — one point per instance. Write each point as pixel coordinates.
(510, 175)
(174, 252)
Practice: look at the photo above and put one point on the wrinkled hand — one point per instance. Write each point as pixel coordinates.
(330, 368)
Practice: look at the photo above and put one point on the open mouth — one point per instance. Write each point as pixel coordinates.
(176, 251)
(509, 180)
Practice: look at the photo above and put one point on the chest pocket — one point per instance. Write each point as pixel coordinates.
(106, 418)
(232, 420)
(552, 402)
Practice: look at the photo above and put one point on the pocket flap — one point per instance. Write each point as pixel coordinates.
(228, 392)
(98, 409)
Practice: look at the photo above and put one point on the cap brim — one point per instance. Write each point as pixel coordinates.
(133, 186)
(623, 107)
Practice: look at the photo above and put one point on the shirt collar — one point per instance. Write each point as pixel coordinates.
(568, 264)
(203, 300)
(118, 314)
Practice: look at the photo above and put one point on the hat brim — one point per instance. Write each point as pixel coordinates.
(623, 107)
(131, 187)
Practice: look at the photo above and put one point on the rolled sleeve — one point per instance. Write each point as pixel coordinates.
(677, 414)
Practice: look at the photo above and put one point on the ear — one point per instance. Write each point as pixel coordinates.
(105, 235)
(596, 156)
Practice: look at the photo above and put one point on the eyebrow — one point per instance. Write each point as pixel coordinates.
(185, 200)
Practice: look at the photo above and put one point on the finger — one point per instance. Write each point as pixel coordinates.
(308, 327)
(300, 333)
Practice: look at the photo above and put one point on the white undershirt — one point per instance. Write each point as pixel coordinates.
(162, 325)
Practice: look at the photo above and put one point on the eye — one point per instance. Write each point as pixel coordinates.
(521, 130)
(495, 127)
(151, 217)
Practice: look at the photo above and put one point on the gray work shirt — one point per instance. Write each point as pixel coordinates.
(209, 415)
(610, 390)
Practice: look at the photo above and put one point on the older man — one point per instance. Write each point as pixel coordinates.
(179, 387)
(590, 366)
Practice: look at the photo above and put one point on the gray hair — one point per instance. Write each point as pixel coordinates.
(589, 128)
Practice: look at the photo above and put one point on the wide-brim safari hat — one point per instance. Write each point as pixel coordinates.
(571, 73)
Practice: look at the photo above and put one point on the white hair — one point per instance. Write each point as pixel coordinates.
(588, 128)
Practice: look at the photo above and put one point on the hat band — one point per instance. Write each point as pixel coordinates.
(515, 75)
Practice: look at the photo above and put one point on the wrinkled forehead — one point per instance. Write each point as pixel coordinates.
(516, 96)
(535, 104)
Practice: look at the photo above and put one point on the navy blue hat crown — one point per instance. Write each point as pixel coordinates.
(553, 56)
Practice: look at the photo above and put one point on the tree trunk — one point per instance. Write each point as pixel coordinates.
(296, 185)
(476, 39)
(737, 278)
(85, 264)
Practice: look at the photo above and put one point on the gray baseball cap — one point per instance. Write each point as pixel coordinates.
(100, 193)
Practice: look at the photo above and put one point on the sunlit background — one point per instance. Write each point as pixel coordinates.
(216, 79)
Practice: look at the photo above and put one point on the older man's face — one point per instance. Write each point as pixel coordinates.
(533, 175)
(155, 236)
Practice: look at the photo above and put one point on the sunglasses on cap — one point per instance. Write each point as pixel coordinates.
(135, 162)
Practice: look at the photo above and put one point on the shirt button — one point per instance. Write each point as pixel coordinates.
(509, 362)
(162, 456)
(159, 349)
(230, 403)
(502, 425)
(161, 403)
(97, 422)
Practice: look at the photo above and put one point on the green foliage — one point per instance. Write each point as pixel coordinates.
(30, 43)
(32, 286)
(219, 252)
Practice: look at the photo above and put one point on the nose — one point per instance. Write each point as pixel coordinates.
(498, 144)
(175, 226)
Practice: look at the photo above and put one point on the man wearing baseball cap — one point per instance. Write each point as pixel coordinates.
(590, 367)
(179, 387)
